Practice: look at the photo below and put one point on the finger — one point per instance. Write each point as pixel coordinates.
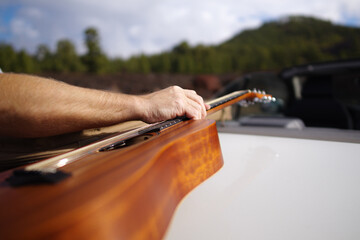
(194, 96)
(194, 110)
(198, 99)
(198, 108)
(207, 106)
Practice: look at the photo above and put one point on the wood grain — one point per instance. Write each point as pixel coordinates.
(128, 193)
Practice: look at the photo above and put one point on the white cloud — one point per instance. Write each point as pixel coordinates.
(20, 27)
(131, 27)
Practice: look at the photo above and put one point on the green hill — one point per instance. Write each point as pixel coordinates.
(273, 46)
(289, 41)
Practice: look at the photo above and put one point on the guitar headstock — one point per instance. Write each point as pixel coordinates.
(242, 97)
(257, 96)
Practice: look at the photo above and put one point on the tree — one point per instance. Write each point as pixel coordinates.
(144, 65)
(7, 58)
(182, 48)
(165, 62)
(44, 58)
(24, 63)
(66, 59)
(183, 61)
(94, 59)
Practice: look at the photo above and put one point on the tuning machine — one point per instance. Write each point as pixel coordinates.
(268, 99)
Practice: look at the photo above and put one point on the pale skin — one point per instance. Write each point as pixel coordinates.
(32, 106)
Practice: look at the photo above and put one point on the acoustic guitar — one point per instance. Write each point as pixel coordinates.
(123, 187)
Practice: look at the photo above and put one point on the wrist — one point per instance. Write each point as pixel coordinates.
(138, 106)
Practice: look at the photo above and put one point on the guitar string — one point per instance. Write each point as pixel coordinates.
(52, 164)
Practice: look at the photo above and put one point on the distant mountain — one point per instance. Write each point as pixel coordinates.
(289, 41)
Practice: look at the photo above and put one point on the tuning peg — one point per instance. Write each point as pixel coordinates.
(265, 99)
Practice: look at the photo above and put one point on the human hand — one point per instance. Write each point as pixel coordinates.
(172, 102)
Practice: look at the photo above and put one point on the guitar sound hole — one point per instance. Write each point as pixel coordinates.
(126, 143)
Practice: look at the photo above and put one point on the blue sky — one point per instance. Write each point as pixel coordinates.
(152, 26)
(7, 13)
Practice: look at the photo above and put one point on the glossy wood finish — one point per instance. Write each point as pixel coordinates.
(128, 193)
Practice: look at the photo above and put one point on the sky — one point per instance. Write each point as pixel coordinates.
(133, 27)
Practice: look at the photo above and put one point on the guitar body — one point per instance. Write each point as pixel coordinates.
(128, 193)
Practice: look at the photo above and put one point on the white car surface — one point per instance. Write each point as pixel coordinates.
(276, 188)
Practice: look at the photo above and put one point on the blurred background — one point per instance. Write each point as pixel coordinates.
(213, 47)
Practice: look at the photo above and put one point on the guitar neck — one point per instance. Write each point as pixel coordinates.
(52, 164)
(227, 100)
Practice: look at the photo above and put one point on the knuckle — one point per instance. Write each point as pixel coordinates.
(192, 92)
(175, 88)
(176, 92)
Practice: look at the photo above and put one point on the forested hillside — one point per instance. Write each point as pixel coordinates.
(274, 45)
(290, 41)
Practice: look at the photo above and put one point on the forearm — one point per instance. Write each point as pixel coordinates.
(37, 107)
(32, 107)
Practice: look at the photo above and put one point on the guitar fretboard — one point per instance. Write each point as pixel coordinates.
(213, 104)
(161, 126)
(227, 98)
